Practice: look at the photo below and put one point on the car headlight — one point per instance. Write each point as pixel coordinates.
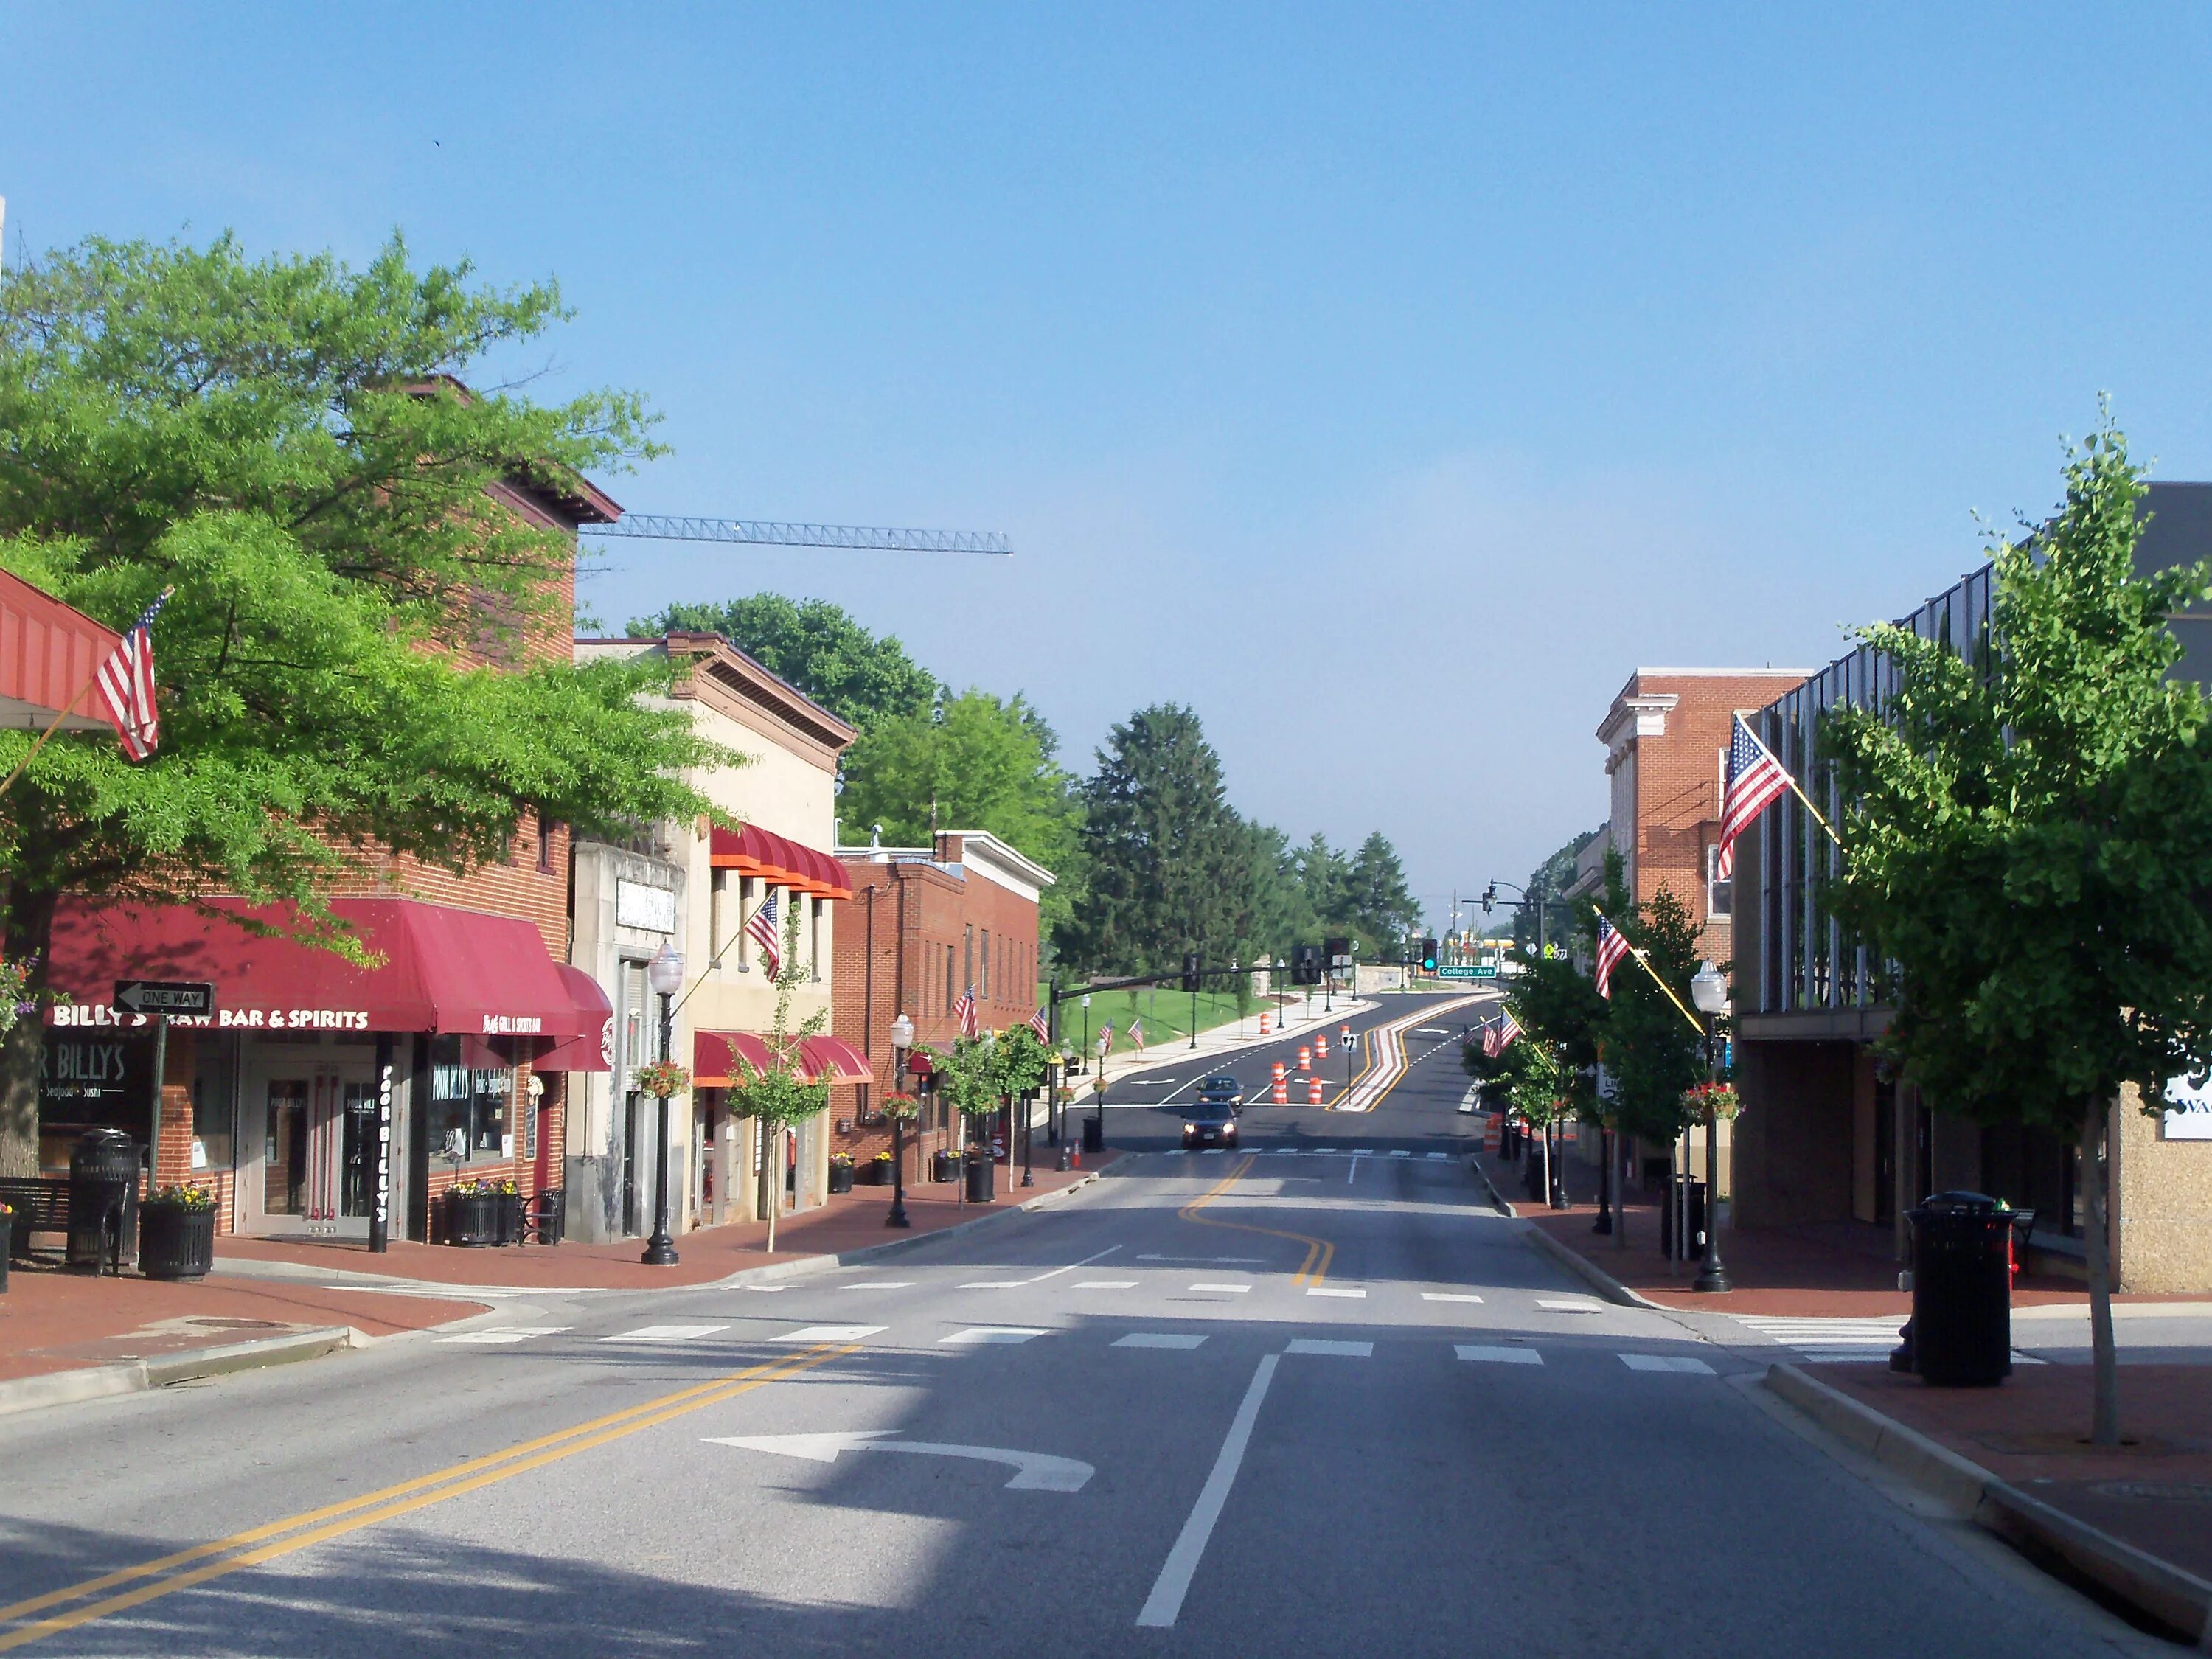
(1190, 1129)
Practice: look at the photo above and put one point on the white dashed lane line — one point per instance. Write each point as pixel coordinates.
(1488, 1355)
(512, 1334)
(1345, 1291)
(1225, 1290)
(1338, 1350)
(828, 1333)
(1157, 1339)
(985, 1335)
(1449, 1295)
(666, 1334)
(1681, 1364)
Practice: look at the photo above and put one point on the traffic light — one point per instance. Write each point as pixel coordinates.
(1489, 897)
(1428, 955)
(1190, 979)
(1305, 965)
(1337, 951)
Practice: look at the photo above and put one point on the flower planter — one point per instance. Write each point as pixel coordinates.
(175, 1242)
(943, 1166)
(876, 1172)
(473, 1219)
(7, 1228)
(840, 1177)
(982, 1177)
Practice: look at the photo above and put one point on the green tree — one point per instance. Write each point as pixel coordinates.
(1547, 883)
(1168, 865)
(861, 677)
(2029, 844)
(282, 443)
(1373, 900)
(1653, 1052)
(971, 762)
(780, 1097)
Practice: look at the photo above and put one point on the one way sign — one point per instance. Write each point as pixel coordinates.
(164, 996)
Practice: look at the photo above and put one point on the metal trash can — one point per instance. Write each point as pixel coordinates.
(1960, 1336)
(1696, 1229)
(103, 1198)
(981, 1177)
(1094, 1135)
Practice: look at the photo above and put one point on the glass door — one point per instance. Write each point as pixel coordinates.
(315, 1134)
(285, 1135)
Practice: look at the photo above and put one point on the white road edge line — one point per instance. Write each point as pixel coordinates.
(1165, 1602)
(1073, 1266)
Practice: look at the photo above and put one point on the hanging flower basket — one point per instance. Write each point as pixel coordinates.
(662, 1078)
(1720, 1099)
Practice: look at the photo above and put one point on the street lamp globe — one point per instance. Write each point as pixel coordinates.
(665, 973)
(1709, 989)
(902, 1032)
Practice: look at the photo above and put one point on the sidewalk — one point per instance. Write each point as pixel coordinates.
(1222, 1040)
(849, 1222)
(1840, 1271)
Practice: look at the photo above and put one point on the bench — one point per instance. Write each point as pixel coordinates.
(40, 1206)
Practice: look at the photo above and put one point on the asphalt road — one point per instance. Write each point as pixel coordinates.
(1314, 1396)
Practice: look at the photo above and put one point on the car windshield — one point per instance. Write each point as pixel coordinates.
(1207, 1111)
(1218, 1085)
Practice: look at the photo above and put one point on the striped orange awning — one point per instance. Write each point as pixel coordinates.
(833, 1059)
(778, 860)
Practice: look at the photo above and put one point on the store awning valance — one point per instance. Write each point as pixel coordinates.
(836, 1060)
(716, 1056)
(779, 860)
(594, 1050)
(444, 970)
(48, 654)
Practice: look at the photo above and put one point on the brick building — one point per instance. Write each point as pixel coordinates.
(924, 924)
(472, 1024)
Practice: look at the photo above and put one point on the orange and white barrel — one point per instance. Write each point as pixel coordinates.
(1280, 1088)
(1305, 1058)
(1321, 1046)
(1313, 1092)
(1263, 1024)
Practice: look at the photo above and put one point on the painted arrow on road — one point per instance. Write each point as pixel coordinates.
(1033, 1471)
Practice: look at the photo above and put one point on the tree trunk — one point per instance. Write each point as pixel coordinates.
(762, 1141)
(2105, 1426)
(1621, 1154)
(26, 917)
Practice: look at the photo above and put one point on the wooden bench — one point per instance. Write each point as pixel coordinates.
(40, 1206)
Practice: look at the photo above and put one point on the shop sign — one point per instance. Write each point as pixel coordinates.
(102, 1016)
(513, 1025)
(91, 1081)
(2188, 1107)
(641, 905)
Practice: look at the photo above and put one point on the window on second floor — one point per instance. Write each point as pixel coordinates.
(1720, 890)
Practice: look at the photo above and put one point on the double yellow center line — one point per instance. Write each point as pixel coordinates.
(167, 1574)
(1319, 1251)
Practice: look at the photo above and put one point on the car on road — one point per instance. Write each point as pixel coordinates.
(1209, 1124)
(1221, 1089)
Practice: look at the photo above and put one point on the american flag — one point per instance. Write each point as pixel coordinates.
(1137, 1032)
(126, 680)
(965, 1008)
(1106, 1037)
(1611, 946)
(762, 931)
(1495, 1038)
(1041, 1023)
(1754, 780)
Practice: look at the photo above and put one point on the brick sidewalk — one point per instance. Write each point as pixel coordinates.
(52, 1320)
(1844, 1271)
(2155, 1493)
(847, 1222)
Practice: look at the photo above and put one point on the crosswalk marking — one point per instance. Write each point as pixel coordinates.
(826, 1334)
(1104, 1285)
(1577, 1304)
(1489, 1356)
(1449, 1295)
(1829, 1341)
(992, 1284)
(1345, 1291)
(511, 1334)
(1226, 1290)
(1339, 1350)
(1400, 1153)
(1666, 1362)
(976, 1335)
(665, 1333)
(1157, 1339)
(1439, 1158)
(879, 1285)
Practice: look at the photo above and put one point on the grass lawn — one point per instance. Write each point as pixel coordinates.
(1164, 1009)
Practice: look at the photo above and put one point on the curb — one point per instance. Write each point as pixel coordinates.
(24, 1393)
(1598, 1280)
(1475, 1162)
(2180, 1600)
(814, 1264)
(1320, 1023)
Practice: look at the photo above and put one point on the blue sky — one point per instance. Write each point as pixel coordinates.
(1387, 382)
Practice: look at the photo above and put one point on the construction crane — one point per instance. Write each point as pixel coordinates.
(777, 533)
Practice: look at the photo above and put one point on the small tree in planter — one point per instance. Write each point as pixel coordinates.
(176, 1233)
(1017, 1064)
(780, 1097)
(968, 1081)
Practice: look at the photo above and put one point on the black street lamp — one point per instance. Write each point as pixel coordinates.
(1709, 990)
(901, 1040)
(665, 973)
(1029, 1124)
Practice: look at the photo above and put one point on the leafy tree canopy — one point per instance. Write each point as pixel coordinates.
(859, 677)
(347, 661)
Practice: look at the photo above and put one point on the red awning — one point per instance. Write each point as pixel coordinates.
(48, 654)
(593, 1051)
(445, 970)
(779, 860)
(835, 1059)
(714, 1056)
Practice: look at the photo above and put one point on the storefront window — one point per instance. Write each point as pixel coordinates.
(468, 1105)
(214, 1100)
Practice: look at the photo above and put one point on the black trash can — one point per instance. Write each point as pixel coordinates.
(981, 1177)
(943, 1167)
(103, 1198)
(1094, 1135)
(1671, 1209)
(1961, 1332)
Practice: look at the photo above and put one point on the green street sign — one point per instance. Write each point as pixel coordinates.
(1466, 970)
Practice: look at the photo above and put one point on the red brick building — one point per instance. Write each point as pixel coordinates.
(465, 1035)
(923, 926)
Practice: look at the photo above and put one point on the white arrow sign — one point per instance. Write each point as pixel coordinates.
(1033, 1471)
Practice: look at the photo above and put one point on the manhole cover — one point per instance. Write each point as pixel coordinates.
(238, 1324)
(2162, 1492)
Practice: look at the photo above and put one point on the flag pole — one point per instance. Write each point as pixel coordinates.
(1637, 952)
(7, 782)
(1814, 810)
